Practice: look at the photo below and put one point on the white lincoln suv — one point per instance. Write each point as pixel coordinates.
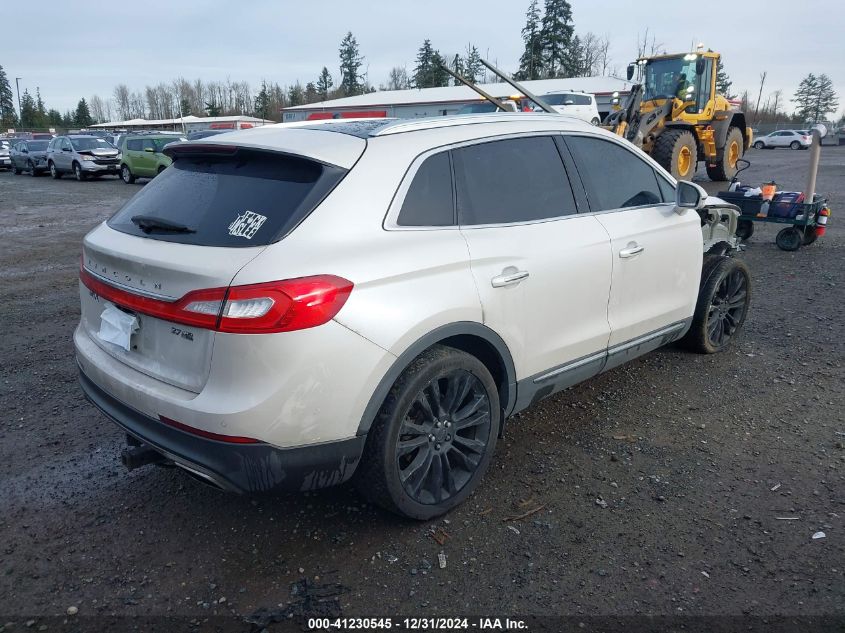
(298, 305)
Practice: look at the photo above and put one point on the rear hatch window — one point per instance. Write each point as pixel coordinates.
(226, 196)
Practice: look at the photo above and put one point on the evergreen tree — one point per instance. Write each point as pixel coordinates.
(422, 71)
(211, 108)
(29, 112)
(8, 116)
(815, 98)
(296, 95)
(324, 84)
(185, 106)
(825, 100)
(556, 33)
(531, 62)
(68, 119)
(723, 82)
(473, 68)
(262, 102)
(82, 116)
(459, 67)
(350, 63)
(54, 118)
(429, 72)
(311, 92)
(41, 110)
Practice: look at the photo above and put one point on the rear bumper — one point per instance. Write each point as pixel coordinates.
(235, 467)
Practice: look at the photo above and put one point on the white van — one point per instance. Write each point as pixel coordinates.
(578, 104)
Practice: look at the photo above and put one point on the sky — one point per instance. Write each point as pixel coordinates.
(87, 48)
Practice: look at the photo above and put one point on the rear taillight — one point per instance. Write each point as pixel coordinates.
(283, 306)
(276, 306)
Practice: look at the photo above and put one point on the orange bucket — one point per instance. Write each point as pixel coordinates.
(769, 189)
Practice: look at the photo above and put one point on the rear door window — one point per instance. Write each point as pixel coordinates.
(615, 178)
(513, 180)
(429, 198)
(134, 145)
(249, 198)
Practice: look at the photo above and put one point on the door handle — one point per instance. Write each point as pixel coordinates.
(509, 278)
(632, 250)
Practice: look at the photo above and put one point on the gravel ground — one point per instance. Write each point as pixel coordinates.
(661, 488)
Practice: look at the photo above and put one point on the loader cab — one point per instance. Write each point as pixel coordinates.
(689, 77)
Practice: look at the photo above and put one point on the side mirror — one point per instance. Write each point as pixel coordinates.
(569, 102)
(689, 195)
(24, 151)
(66, 149)
(699, 66)
(630, 71)
(149, 149)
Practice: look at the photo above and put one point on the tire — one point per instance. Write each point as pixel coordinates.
(55, 173)
(677, 153)
(15, 169)
(795, 145)
(744, 229)
(407, 438)
(809, 235)
(789, 239)
(78, 173)
(32, 170)
(126, 175)
(595, 121)
(725, 167)
(759, 145)
(161, 168)
(723, 300)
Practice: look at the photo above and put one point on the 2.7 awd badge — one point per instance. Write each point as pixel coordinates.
(246, 224)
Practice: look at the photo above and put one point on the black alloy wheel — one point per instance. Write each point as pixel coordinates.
(727, 308)
(443, 437)
(434, 435)
(722, 307)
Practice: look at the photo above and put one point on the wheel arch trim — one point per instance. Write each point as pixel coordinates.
(507, 386)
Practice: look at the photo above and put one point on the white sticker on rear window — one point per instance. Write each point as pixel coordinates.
(246, 224)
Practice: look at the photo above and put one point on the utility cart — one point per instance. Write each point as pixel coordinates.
(806, 221)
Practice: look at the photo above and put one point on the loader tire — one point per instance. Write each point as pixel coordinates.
(677, 152)
(725, 167)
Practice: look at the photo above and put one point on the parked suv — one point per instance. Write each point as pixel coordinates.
(581, 105)
(793, 139)
(29, 156)
(82, 155)
(143, 156)
(293, 306)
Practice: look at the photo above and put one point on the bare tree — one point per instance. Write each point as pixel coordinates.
(647, 47)
(121, 101)
(777, 99)
(97, 108)
(593, 53)
(397, 79)
(603, 56)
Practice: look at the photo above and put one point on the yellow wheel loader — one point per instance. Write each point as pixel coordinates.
(675, 115)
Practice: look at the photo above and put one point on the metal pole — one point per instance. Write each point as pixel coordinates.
(545, 106)
(815, 152)
(18, 88)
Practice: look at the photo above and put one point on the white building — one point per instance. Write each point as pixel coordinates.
(187, 124)
(426, 102)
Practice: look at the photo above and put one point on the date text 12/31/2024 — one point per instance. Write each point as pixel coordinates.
(417, 624)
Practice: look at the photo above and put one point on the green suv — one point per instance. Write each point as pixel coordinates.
(143, 157)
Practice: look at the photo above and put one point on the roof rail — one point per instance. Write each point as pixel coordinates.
(431, 123)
